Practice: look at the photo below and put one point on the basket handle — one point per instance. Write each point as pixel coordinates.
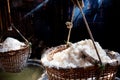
(12, 25)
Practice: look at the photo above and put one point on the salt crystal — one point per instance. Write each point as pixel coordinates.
(11, 44)
(71, 57)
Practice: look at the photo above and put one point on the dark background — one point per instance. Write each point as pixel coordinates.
(45, 26)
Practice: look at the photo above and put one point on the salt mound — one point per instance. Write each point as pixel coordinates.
(11, 44)
(72, 56)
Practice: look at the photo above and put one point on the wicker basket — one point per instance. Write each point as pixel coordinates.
(89, 73)
(15, 61)
(95, 72)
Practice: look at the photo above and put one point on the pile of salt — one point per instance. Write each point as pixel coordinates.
(72, 56)
(10, 44)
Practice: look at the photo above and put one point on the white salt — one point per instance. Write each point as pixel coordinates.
(11, 44)
(72, 56)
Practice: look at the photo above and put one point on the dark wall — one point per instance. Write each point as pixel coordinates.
(105, 28)
(47, 23)
(112, 16)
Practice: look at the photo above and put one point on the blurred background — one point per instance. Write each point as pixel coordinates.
(42, 22)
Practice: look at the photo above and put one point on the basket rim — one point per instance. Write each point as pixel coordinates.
(105, 65)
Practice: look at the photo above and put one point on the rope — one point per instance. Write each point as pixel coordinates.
(69, 26)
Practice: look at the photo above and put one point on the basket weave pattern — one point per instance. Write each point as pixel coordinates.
(14, 61)
(89, 73)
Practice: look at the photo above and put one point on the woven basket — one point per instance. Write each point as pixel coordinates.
(95, 72)
(15, 61)
(89, 73)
